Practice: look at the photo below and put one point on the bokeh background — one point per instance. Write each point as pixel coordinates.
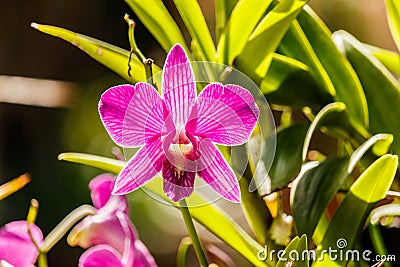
(49, 92)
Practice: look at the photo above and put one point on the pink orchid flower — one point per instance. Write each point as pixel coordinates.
(109, 234)
(177, 131)
(16, 246)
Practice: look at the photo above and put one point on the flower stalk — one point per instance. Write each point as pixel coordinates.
(147, 62)
(198, 248)
(62, 228)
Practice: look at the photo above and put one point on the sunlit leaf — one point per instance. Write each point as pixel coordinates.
(196, 24)
(243, 20)
(345, 81)
(368, 189)
(317, 187)
(258, 52)
(223, 11)
(113, 57)
(381, 89)
(393, 10)
(155, 16)
(207, 214)
(294, 254)
(390, 59)
(289, 82)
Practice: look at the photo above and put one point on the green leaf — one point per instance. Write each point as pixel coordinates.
(223, 11)
(381, 89)
(287, 161)
(374, 183)
(243, 20)
(258, 51)
(210, 216)
(344, 79)
(296, 45)
(154, 15)
(390, 59)
(368, 189)
(289, 82)
(256, 212)
(393, 10)
(113, 57)
(314, 191)
(295, 253)
(317, 187)
(196, 24)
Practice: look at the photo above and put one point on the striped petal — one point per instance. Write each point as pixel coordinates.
(132, 115)
(140, 169)
(216, 172)
(225, 114)
(178, 86)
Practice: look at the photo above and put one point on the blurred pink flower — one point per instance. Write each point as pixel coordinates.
(177, 131)
(16, 246)
(109, 234)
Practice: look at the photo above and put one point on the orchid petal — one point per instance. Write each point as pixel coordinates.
(100, 256)
(140, 169)
(225, 114)
(16, 246)
(178, 86)
(177, 186)
(132, 114)
(143, 258)
(216, 172)
(101, 188)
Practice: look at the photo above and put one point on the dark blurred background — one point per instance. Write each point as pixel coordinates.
(36, 124)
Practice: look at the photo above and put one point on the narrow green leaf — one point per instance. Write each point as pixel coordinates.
(256, 212)
(155, 16)
(287, 161)
(295, 253)
(207, 214)
(369, 188)
(314, 191)
(393, 11)
(317, 187)
(381, 89)
(296, 45)
(223, 11)
(111, 56)
(390, 59)
(243, 20)
(289, 82)
(196, 24)
(258, 52)
(347, 86)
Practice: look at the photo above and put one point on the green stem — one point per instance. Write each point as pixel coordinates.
(42, 260)
(198, 249)
(377, 242)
